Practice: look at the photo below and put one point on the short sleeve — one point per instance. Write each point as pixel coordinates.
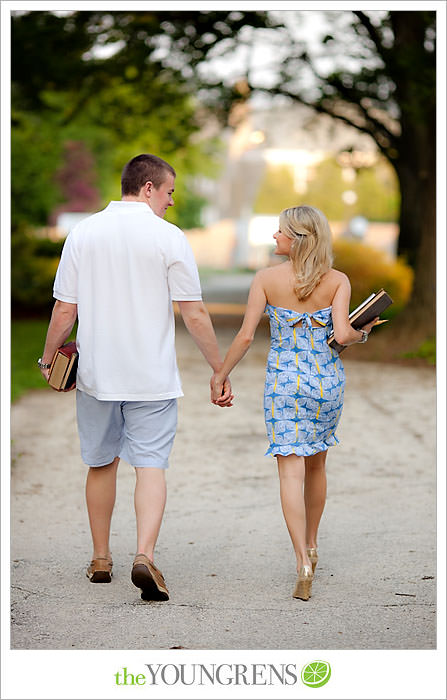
(66, 281)
(183, 276)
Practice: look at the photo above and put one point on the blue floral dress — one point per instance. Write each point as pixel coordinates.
(304, 384)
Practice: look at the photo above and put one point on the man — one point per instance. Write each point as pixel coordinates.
(119, 272)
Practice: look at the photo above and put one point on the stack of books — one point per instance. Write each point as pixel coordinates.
(371, 307)
(64, 367)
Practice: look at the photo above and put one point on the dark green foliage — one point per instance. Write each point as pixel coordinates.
(33, 267)
(132, 101)
(35, 156)
(158, 51)
(141, 97)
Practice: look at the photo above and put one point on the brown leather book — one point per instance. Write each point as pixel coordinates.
(64, 367)
(371, 307)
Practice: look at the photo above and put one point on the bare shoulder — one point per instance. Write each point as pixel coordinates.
(273, 272)
(338, 279)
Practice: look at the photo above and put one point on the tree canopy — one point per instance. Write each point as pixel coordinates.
(376, 71)
(121, 82)
(133, 81)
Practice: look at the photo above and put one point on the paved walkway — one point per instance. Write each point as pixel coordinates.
(224, 548)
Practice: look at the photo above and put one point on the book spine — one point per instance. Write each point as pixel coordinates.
(362, 305)
(376, 309)
(70, 373)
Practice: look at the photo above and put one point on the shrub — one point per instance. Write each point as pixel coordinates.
(33, 267)
(370, 269)
(426, 351)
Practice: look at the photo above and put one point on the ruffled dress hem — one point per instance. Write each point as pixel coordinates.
(305, 450)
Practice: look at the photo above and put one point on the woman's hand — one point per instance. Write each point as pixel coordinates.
(369, 326)
(221, 391)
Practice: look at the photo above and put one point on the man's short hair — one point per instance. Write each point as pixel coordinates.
(142, 169)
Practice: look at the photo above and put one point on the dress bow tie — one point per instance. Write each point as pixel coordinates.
(307, 319)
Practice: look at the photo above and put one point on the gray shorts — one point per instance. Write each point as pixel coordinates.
(140, 432)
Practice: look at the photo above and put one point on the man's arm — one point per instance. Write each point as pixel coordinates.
(198, 322)
(61, 324)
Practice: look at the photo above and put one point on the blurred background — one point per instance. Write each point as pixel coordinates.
(256, 111)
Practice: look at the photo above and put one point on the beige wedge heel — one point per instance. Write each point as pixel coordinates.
(303, 588)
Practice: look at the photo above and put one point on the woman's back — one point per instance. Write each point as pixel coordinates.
(279, 283)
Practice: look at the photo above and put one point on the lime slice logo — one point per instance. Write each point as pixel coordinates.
(316, 674)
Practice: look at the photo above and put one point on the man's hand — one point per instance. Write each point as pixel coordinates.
(70, 388)
(46, 375)
(221, 394)
(61, 324)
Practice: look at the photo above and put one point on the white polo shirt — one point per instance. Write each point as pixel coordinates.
(123, 267)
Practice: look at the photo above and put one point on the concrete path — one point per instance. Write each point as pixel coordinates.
(224, 547)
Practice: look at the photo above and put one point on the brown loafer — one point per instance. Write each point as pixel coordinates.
(100, 570)
(146, 576)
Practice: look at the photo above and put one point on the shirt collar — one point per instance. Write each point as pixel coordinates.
(129, 205)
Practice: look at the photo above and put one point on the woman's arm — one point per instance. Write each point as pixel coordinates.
(244, 338)
(344, 333)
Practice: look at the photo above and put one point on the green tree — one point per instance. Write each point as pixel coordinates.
(35, 157)
(122, 82)
(381, 81)
(158, 50)
(384, 84)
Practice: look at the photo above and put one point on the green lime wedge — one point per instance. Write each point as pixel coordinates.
(316, 674)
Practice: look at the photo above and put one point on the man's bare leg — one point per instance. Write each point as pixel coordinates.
(150, 500)
(100, 494)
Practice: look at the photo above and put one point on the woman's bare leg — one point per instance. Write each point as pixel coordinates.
(314, 494)
(291, 471)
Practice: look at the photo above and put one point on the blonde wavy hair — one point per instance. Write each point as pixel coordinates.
(311, 250)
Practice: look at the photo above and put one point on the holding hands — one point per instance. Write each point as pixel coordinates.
(220, 384)
(221, 394)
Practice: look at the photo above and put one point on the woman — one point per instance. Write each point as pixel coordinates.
(305, 299)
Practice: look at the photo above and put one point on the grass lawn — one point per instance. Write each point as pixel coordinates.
(27, 342)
